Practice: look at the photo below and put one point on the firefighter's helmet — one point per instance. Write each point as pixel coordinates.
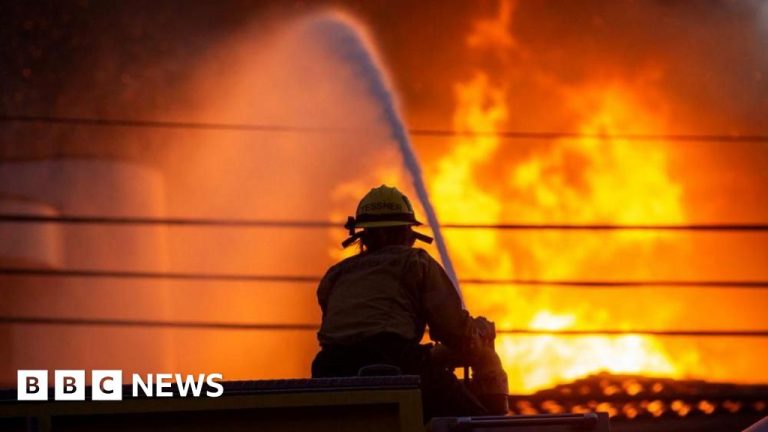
(383, 206)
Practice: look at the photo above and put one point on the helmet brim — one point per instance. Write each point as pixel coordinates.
(382, 224)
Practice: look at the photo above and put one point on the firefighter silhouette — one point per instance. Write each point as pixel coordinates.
(377, 304)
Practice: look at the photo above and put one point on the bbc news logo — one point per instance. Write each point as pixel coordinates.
(107, 385)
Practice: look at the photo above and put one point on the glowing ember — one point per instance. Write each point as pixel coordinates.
(681, 408)
(706, 407)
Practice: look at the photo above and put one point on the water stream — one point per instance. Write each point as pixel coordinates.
(347, 42)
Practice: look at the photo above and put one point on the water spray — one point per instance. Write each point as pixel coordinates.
(348, 43)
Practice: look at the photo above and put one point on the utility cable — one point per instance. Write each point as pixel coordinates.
(18, 320)
(250, 127)
(259, 223)
(234, 277)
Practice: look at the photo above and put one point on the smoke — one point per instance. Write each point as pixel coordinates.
(289, 75)
(699, 67)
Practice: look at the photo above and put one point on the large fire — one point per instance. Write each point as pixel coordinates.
(535, 68)
(621, 183)
(597, 178)
(585, 180)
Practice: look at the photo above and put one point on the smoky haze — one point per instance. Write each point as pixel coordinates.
(289, 75)
(692, 67)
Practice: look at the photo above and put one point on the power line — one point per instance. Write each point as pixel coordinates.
(154, 124)
(87, 273)
(614, 332)
(13, 320)
(112, 274)
(520, 135)
(133, 220)
(137, 220)
(156, 324)
(621, 283)
(259, 223)
(613, 227)
(249, 127)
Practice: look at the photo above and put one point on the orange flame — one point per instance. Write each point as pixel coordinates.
(585, 180)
